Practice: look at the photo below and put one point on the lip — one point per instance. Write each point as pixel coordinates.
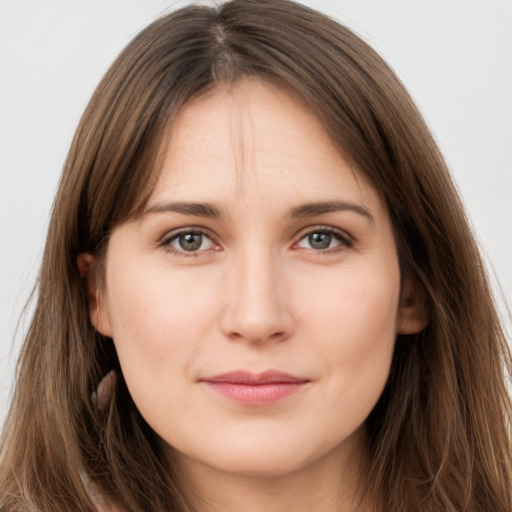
(250, 388)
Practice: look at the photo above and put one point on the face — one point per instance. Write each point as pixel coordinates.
(255, 304)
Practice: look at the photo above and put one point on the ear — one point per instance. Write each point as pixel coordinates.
(97, 311)
(412, 312)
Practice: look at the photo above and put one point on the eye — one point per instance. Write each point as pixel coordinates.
(326, 240)
(190, 241)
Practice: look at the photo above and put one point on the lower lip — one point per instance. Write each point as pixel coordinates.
(261, 394)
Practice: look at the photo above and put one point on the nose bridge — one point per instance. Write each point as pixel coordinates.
(257, 303)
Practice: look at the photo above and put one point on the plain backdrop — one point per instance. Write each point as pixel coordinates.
(454, 56)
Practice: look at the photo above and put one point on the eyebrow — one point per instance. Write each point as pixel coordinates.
(195, 209)
(319, 208)
(210, 211)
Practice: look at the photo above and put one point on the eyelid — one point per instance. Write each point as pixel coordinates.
(181, 230)
(165, 240)
(346, 240)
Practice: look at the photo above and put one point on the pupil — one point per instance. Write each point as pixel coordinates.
(191, 241)
(320, 240)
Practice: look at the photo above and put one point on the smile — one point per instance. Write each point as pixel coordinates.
(255, 389)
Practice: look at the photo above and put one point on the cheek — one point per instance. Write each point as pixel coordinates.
(354, 304)
(353, 323)
(353, 319)
(159, 325)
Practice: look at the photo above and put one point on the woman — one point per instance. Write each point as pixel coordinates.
(259, 290)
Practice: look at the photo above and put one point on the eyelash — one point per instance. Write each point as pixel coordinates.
(166, 242)
(345, 241)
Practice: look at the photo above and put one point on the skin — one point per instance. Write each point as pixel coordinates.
(258, 293)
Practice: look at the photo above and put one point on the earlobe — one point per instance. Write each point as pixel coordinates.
(412, 312)
(97, 310)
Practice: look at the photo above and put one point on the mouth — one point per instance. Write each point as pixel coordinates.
(255, 388)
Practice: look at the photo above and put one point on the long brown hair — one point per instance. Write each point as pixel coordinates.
(440, 437)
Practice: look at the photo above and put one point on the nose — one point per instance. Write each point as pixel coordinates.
(256, 299)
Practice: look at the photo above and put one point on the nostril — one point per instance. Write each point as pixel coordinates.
(278, 335)
(256, 337)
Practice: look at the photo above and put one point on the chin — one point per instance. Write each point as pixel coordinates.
(261, 465)
(257, 458)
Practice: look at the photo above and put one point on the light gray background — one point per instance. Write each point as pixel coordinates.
(455, 57)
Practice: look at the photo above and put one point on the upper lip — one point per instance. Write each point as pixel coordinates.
(248, 378)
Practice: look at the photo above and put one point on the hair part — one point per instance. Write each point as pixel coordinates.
(440, 434)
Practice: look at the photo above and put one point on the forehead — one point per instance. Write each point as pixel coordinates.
(253, 138)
